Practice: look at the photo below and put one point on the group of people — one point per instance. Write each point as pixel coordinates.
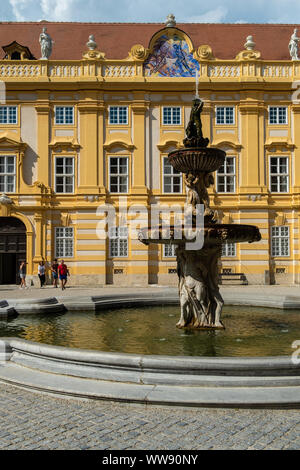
(59, 272)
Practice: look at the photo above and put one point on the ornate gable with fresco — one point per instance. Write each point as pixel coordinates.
(171, 56)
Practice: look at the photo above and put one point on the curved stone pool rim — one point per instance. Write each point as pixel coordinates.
(183, 381)
(60, 304)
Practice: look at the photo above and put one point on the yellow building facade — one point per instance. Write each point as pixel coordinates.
(76, 135)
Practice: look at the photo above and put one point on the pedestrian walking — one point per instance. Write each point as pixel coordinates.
(42, 273)
(63, 274)
(22, 274)
(54, 270)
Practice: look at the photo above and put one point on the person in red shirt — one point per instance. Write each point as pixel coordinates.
(63, 274)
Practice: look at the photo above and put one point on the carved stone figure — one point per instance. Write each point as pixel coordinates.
(194, 129)
(5, 200)
(200, 300)
(46, 44)
(197, 191)
(293, 45)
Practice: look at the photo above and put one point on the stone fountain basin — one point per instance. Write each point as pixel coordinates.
(182, 381)
(197, 160)
(216, 234)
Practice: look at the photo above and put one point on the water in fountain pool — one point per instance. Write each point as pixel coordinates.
(151, 330)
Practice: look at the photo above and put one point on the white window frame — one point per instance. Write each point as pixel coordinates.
(171, 175)
(64, 123)
(172, 114)
(229, 250)
(118, 242)
(6, 174)
(278, 250)
(8, 115)
(279, 175)
(225, 122)
(64, 175)
(226, 175)
(171, 253)
(277, 123)
(118, 123)
(64, 235)
(118, 175)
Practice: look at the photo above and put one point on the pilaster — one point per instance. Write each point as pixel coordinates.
(42, 108)
(296, 169)
(89, 126)
(252, 154)
(139, 109)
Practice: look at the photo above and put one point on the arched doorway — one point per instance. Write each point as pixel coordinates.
(12, 248)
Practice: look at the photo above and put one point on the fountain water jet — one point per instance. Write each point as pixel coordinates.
(200, 299)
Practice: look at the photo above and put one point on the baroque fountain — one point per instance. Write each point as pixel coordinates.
(189, 373)
(197, 267)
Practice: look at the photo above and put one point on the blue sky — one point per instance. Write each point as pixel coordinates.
(214, 11)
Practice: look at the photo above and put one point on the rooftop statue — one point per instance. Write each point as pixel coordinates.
(170, 21)
(293, 45)
(46, 44)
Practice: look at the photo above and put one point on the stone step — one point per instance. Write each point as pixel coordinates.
(233, 282)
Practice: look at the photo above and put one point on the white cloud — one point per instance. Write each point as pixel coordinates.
(233, 11)
(18, 6)
(212, 16)
(58, 10)
(51, 10)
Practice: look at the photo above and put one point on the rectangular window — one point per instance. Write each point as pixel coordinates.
(8, 115)
(279, 174)
(118, 242)
(277, 115)
(7, 173)
(118, 174)
(229, 250)
(226, 176)
(64, 242)
(64, 174)
(280, 241)
(225, 115)
(169, 251)
(118, 115)
(172, 179)
(172, 115)
(64, 115)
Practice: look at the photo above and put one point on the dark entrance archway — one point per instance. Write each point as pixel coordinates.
(12, 248)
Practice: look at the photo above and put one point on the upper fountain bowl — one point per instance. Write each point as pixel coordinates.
(197, 160)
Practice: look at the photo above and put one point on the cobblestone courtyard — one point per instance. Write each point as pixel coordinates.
(33, 421)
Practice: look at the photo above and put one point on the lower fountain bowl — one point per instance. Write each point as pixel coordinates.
(197, 160)
(214, 235)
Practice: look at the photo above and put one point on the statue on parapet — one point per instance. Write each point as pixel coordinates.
(46, 44)
(293, 45)
(194, 135)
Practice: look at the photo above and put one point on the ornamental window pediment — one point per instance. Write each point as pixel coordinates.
(11, 141)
